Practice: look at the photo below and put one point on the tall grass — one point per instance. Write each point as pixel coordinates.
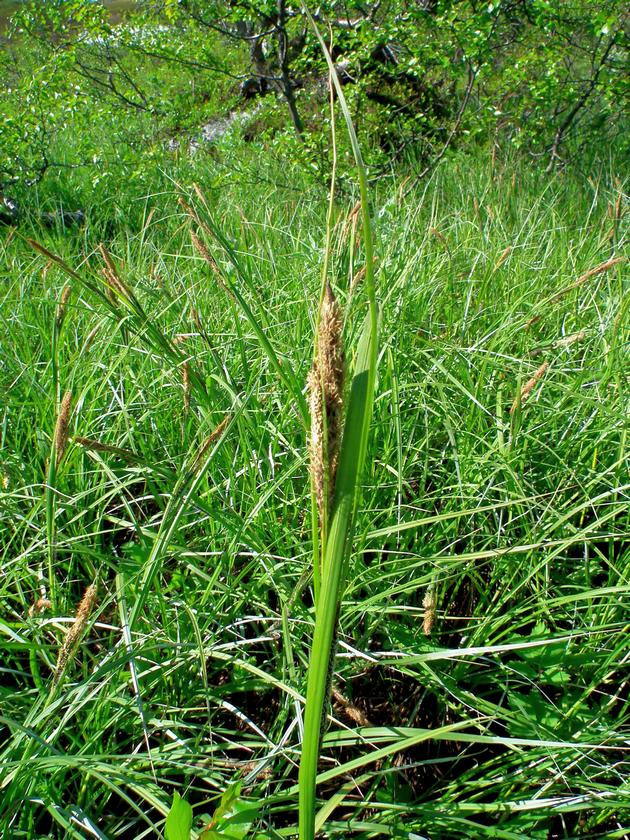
(480, 684)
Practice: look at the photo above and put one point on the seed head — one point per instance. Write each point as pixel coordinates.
(201, 453)
(76, 631)
(63, 302)
(505, 254)
(568, 340)
(428, 603)
(592, 272)
(115, 285)
(90, 337)
(61, 427)
(325, 385)
(529, 386)
(439, 236)
(40, 606)
(99, 446)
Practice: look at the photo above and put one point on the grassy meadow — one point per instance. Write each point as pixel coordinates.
(156, 593)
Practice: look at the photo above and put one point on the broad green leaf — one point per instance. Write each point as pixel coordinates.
(179, 820)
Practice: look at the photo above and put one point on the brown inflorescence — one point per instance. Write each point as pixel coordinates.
(75, 632)
(63, 302)
(325, 385)
(61, 427)
(529, 386)
(207, 443)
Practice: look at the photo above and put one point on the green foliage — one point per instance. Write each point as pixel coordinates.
(232, 819)
(507, 540)
(179, 820)
(81, 91)
(481, 678)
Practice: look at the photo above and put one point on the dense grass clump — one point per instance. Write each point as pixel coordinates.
(157, 609)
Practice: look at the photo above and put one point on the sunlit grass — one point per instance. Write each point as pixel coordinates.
(481, 674)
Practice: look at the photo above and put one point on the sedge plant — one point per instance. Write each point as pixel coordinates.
(337, 460)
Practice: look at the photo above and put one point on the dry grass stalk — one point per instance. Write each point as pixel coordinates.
(192, 213)
(110, 286)
(199, 245)
(149, 219)
(108, 260)
(200, 195)
(76, 631)
(325, 385)
(61, 427)
(529, 386)
(618, 210)
(205, 253)
(593, 272)
(401, 188)
(615, 214)
(52, 258)
(429, 604)
(502, 258)
(201, 453)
